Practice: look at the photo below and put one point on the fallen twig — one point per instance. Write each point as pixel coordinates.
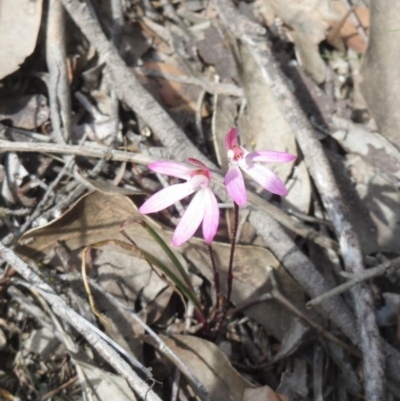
(56, 57)
(356, 278)
(208, 86)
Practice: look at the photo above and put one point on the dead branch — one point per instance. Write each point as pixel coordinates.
(56, 57)
(208, 86)
(357, 278)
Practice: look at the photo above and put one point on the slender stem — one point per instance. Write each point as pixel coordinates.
(215, 271)
(230, 267)
(233, 244)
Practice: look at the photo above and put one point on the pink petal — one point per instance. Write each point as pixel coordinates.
(173, 169)
(200, 164)
(235, 185)
(197, 163)
(211, 216)
(270, 156)
(190, 220)
(267, 179)
(231, 138)
(166, 197)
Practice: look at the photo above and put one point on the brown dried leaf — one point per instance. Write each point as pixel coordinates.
(374, 149)
(215, 50)
(97, 217)
(174, 95)
(106, 385)
(263, 394)
(207, 362)
(308, 27)
(94, 218)
(346, 30)
(19, 27)
(24, 111)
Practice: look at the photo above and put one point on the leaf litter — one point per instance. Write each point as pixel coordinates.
(192, 67)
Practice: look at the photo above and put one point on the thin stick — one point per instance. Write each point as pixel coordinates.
(357, 278)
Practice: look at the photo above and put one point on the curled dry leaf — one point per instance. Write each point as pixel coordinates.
(105, 385)
(174, 95)
(95, 218)
(19, 24)
(307, 22)
(211, 367)
(373, 148)
(343, 33)
(215, 50)
(24, 111)
(263, 394)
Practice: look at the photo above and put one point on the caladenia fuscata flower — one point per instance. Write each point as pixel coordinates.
(202, 208)
(241, 159)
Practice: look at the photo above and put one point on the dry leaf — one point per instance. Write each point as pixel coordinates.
(24, 111)
(173, 94)
(94, 218)
(346, 30)
(263, 394)
(294, 381)
(374, 149)
(211, 367)
(215, 50)
(307, 28)
(106, 385)
(19, 27)
(222, 121)
(373, 203)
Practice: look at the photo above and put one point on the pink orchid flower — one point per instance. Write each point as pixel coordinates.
(240, 158)
(202, 208)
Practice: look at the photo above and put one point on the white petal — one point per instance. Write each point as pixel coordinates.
(190, 220)
(166, 197)
(211, 216)
(267, 179)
